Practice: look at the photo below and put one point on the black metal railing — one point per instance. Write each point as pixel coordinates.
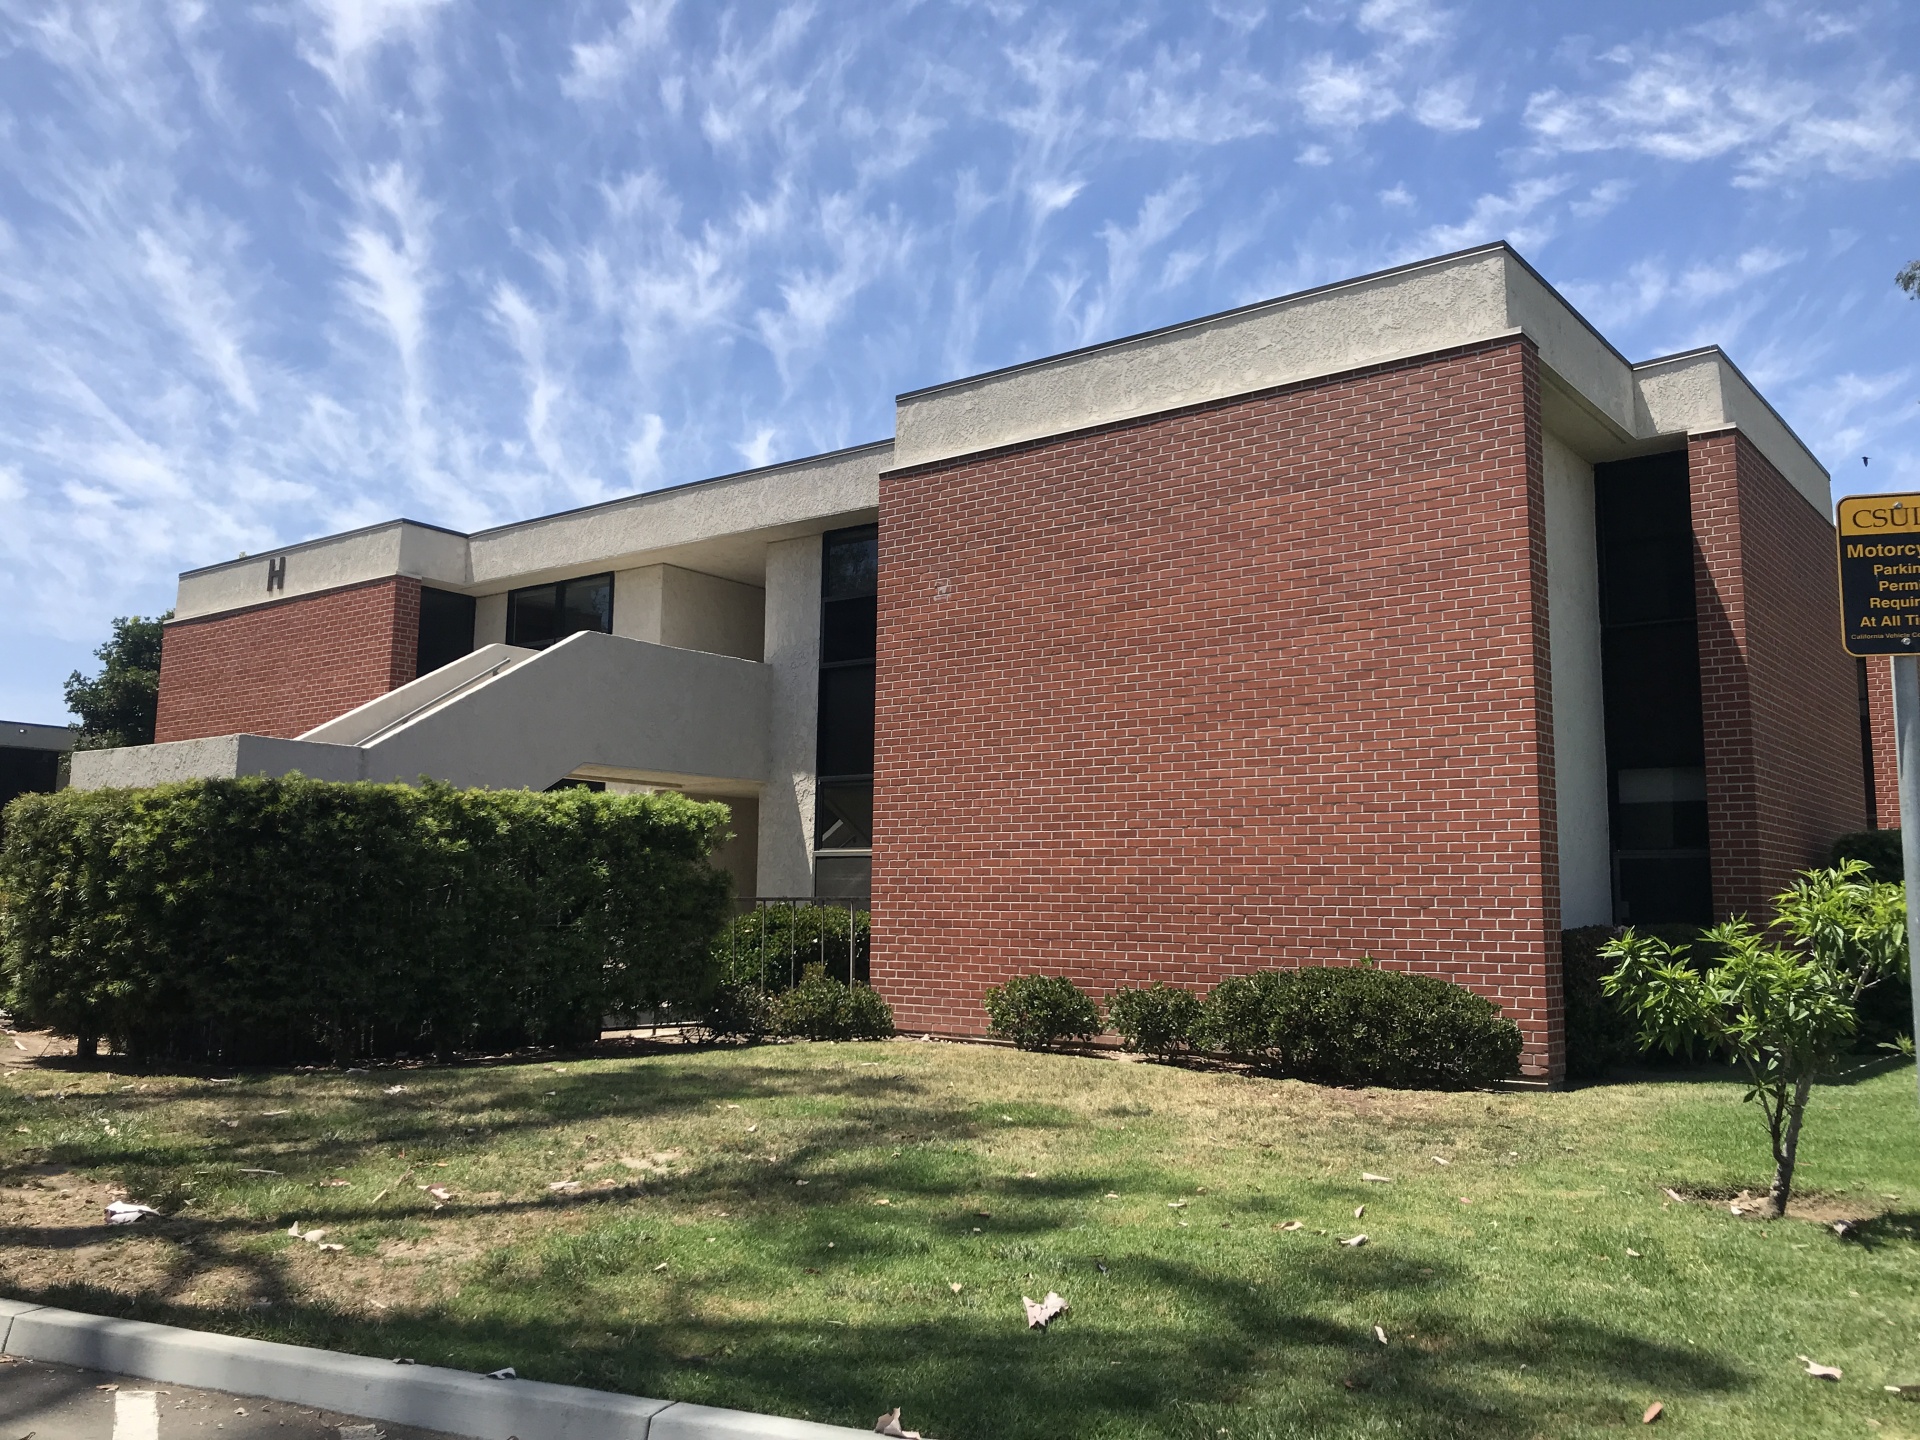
(773, 939)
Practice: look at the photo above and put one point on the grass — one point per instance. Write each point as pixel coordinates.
(942, 1182)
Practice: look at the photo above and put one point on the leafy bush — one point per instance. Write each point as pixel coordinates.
(1238, 1015)
(1601, 1033)
(772, 945)
(1878, 850)
(823, 1008)
(1784, 1012)
(737, 1010)
(1360, 1025)
(1159, 1020)
(286, 919)
(1037, 1011)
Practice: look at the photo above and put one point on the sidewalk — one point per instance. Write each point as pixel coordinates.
(426, 1397)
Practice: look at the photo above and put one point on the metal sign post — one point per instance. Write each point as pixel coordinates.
(1879, 539)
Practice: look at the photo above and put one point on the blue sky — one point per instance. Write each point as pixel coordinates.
(272, 270)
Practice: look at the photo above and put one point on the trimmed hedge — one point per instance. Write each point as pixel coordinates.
(287, 919)
(1343, 1025)
(823, 1008)
(1039, 1011)
(1159, 1020)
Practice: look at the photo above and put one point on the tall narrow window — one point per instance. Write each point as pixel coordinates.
(843, 800)
(446, 629)
(1650, 649)
(541, 614)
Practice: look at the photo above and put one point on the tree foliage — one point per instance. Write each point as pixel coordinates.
(1909, 278)
(118, 706)
(1783, 1012)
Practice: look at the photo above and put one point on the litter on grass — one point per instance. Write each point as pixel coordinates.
(889, 1424)
(123, 1212)
(1818, 1371)
(1355, 1242)
(1292, 1225)
(1040, 1315)
(1380, 1334)
(1652, 1413)
(1358, 1211)
(1376, 1179)
(505, 1372)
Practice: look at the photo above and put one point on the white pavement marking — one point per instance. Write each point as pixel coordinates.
(136, 1415)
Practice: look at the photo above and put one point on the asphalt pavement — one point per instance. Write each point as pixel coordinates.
(58, 1402)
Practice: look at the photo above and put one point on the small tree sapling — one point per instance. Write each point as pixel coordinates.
(1782, 1012)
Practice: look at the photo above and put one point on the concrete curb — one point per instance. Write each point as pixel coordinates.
(426, 1396)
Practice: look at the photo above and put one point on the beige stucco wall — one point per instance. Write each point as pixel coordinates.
(1579, 718)
(669, 605)
(793, 690)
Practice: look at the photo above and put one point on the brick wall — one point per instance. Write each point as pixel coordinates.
(1780, 698)
(1886, 755)
(284, 667)
(1262, 682)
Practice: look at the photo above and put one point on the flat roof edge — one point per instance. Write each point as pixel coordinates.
(1721, 355)
(794, 464)
(327, 539)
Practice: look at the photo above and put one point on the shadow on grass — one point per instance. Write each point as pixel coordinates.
(981, 1373)
(1153, 1348)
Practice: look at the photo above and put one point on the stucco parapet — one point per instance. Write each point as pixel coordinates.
(1701, 391)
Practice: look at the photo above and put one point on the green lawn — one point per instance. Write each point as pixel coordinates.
(782, 1228)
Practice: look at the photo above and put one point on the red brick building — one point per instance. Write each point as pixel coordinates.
(1402, 618)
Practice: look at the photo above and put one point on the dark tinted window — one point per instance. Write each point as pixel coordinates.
(541, 614)
(1650, 659)
(850, 563)
(848, 629)
(843, 817)
(446, 629)
(846, 720)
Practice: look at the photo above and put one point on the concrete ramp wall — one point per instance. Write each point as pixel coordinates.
(516, 720)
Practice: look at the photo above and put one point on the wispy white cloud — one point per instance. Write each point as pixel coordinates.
(352, 31)
(601, 66)
(1685, 106)
(1519, 215)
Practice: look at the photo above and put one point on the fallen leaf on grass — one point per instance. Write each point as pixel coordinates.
(1441, 1160)
(889, 1424)
(1819, 1371)
(252, 1170)
(121, 1212)
(801, 1182)
(954, 1285)
(505, 1372)
(394, 1090)
(752, 1128)
(1358, 1211)
(1355, 1242)
(1380, 1334)
(1376, 1179)
(563, 1185)
(1633, 1254)
(1653, 1413)
(1291, 1225)
(661, 1266)
(1176, 1204)
(1673, 1195)
(1043, 1314)
(1113, 1195)
(328, 1184)
(883, 1201)
(1029, 1174)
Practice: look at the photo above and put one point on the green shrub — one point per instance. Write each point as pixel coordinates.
(287, 919)
(1600, 1034)
(1159, 1020)
(1037, 1011)
(823, 1008)
(772, 945)
(1879, 850)
(737, 1010)
(1361, 1025)
(1236, 1019)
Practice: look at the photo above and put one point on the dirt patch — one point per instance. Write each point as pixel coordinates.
(1818, 1207)
(21, 1048)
